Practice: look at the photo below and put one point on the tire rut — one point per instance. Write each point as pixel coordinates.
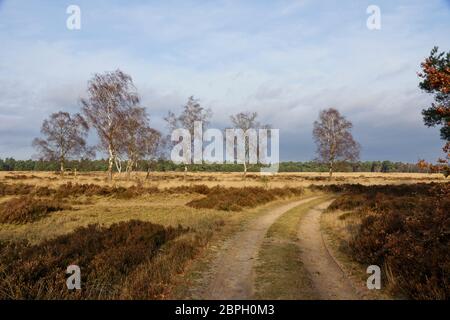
(329, 280)
(232, 271)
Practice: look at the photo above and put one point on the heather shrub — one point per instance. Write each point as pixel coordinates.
(15, 189)
(406, 229)
(236, 199)
(109, 259)
(348, 202)
(43, 192)
(70, 189)
(27, 209)
(198, 188)
(150, 280)
(18, 177)
(393, 190)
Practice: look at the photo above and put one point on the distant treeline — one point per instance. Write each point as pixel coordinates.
(85, 165)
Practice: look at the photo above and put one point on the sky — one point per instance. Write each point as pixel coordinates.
(285, 59)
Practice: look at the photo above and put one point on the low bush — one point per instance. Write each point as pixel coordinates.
(151, 280)
(393, 190)
(133, 259)
(74, 190)
(27, 209)
(405, 228)
(236, 199)
(19, 177)
(15, 189)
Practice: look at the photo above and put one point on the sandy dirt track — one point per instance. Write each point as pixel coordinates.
(232, 270)
(232, 275)
(328, 279)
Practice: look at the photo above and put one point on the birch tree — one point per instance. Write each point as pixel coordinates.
(192, 112)
(111, 97)
(332, 135)
(138, 140)
(64, 138)
(247, 121)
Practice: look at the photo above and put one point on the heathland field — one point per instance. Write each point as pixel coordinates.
(224, 236)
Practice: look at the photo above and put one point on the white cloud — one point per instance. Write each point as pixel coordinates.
(286, 60)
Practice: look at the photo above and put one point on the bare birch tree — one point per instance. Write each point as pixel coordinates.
(246, 121)
(64, 138)
(333, 138)
(152, 145)
(192, 112)
(138, 140)
(111, 97)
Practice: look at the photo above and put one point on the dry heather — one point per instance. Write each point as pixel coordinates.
(236, 199)
(28, 209)
(221, 198)
(70, 189)
(164, 180)
(20, 177)
(73, 190)
(131, 259)
(406, 229)
(15, 189)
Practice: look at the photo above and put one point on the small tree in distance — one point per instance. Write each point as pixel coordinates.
(64, 138)
(246, 121)
(192, 112)
(333, 138)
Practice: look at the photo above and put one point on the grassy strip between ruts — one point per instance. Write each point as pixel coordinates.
(279, 272)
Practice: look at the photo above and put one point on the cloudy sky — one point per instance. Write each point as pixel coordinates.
(285, 59)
